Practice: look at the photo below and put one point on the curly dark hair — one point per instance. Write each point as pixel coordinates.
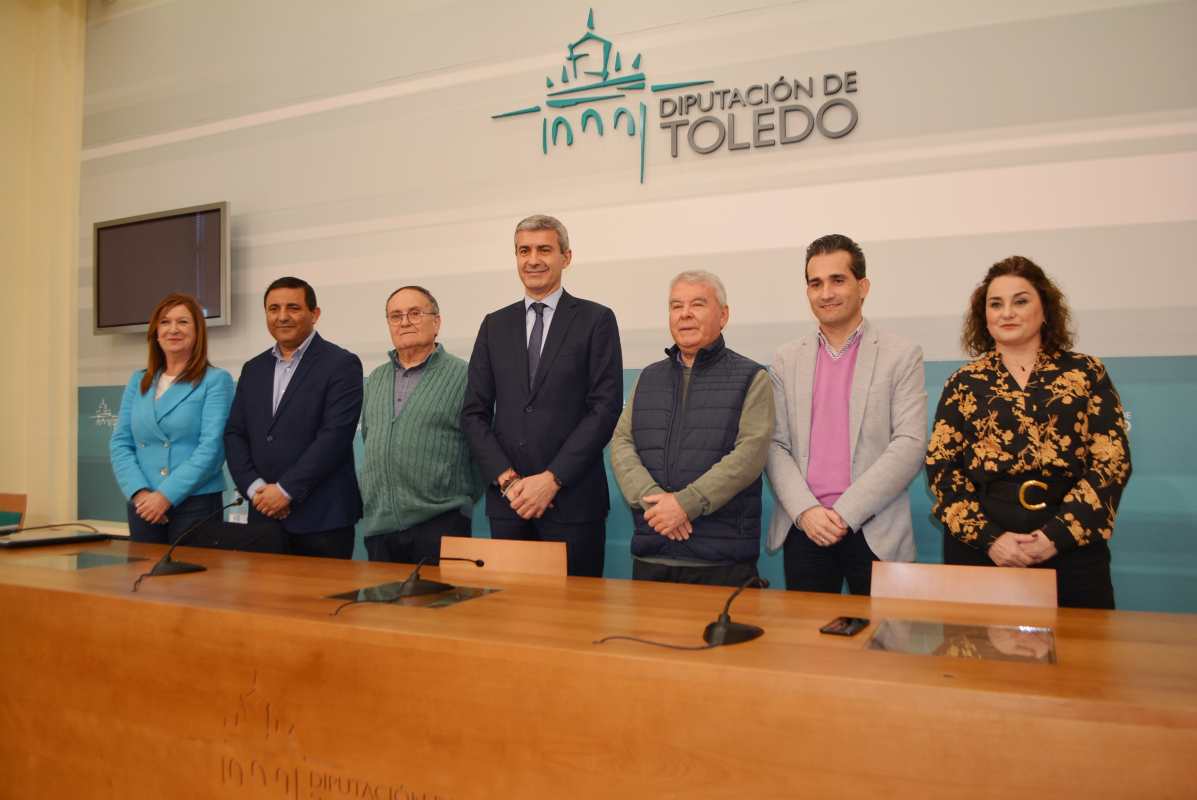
(1057, 320)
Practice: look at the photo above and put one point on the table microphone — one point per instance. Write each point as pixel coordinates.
(724, 631)
(167, 566)
(720, 632)
(414, 585)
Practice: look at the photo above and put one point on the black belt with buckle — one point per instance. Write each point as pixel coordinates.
(1031, 483)
(1022, 505)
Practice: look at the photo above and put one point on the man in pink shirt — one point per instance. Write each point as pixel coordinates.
(850, 433)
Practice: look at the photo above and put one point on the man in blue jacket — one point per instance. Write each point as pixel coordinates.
(289, 438)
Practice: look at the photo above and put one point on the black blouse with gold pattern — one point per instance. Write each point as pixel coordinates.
(1066, 426)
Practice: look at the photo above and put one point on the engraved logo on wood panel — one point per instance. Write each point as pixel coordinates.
(252, 767)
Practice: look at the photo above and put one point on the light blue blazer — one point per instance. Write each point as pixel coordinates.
(173, 445)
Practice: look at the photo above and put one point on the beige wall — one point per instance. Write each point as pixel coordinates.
(41, 90)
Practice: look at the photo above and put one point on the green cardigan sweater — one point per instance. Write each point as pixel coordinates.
(417, 465)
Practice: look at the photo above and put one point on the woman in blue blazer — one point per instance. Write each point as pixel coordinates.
(168, 447)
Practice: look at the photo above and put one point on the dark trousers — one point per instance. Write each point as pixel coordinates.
(267, 537)
(336, 543)
(714, 575)
(811, 568)
(420, 542)
(585, 542)
(180, 518)
(1082, 575)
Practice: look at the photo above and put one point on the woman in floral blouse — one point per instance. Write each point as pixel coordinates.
(1029, 455)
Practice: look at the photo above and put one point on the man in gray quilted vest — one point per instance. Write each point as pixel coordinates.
(690, 447)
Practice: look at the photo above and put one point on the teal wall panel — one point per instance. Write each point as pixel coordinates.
(98, 495)
(1155, 541)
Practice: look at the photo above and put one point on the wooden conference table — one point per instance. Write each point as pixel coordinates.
(237, 683)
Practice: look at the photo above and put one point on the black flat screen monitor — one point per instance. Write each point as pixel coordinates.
(139, 260)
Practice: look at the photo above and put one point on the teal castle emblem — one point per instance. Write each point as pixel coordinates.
(593, 79)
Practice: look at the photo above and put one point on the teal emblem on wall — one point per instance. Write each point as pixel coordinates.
(593, 80)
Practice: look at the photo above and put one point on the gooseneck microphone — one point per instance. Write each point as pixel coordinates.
(724, 631)
(414, 585)
(168, 566)
(720, 632)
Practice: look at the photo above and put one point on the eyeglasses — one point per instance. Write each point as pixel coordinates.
(415, 316)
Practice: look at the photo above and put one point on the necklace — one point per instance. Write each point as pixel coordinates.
(1014, 366)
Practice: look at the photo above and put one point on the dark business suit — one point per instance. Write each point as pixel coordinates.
(560, 423)
(306, 447)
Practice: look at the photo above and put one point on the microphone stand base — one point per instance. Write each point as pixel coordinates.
(176, 568)
(421, 586)
(723, 632)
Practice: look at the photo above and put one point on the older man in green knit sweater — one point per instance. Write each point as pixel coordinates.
(418, 480)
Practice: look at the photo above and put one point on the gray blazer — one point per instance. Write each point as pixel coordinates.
(888, 429)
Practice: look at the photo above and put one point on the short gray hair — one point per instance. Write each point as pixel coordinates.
(543, 222)
(703, 277)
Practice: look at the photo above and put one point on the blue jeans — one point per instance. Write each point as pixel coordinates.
(180, 518)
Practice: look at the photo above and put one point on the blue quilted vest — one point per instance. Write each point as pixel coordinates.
(677, 444)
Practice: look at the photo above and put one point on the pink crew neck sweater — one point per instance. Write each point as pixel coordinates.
(829, 470)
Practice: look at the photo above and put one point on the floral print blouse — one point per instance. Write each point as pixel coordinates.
(1066, 426)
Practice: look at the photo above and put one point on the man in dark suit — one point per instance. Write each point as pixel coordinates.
(544, 392)
(289, 438)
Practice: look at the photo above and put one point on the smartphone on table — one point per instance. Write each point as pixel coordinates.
(845, 626)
